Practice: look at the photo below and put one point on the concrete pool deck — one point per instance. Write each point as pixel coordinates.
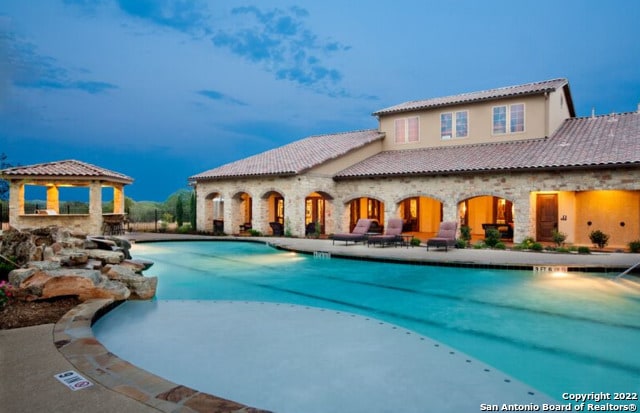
(30, 357)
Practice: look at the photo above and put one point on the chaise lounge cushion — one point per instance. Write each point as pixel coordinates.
(446, 236)
(359, 233)
(392, 234)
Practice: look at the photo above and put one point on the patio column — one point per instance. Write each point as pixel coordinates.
(118, 199)
(95, 207)
(450, 213)
(16, 202)
(53, 198)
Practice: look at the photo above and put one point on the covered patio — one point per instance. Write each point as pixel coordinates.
(69, 173)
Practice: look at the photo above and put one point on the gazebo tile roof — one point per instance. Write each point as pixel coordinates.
(65, 169)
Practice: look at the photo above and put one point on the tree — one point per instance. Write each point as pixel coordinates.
(192, 210)
(179, 211)
(4, 185)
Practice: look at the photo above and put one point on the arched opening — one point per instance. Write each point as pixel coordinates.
(275, 213)
(242, 212)
(485, 212)
(421, 215)
(316, 209)
(366, 207)
(214, 212)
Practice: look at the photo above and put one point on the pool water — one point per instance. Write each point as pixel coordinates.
(559, 333)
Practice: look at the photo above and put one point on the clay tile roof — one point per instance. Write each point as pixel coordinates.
(491, 94)
(69, 169)
(295, 157)
(611, 140)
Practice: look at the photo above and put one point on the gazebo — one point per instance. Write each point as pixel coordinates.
(69, 173)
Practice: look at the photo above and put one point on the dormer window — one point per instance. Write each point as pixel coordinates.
(407, 129)
(508, 118)
(454, 124)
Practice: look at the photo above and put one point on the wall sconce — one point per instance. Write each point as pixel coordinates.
(589, 223)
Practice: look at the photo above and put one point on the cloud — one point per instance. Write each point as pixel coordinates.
(217, 96)
(187, 16)
(29, 69)
(280, 41)
(5, 69)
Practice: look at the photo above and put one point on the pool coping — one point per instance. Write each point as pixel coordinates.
(74, 339)
(441, 258)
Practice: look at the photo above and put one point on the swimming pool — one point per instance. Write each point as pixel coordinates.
(560, 333)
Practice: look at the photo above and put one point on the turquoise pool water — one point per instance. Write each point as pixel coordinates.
(560, 333)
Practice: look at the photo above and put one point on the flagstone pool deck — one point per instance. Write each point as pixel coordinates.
(30, 357)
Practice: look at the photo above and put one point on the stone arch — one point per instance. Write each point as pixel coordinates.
(318, 213)
(241, 212)
(363, 206)
(214, 211)
(352, 197)
(481, 210)
(420, 212)
(271, 211)
(401, 198)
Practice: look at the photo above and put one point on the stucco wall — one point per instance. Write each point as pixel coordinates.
(480, 122)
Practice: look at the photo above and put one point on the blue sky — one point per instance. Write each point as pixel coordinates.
(162, 90)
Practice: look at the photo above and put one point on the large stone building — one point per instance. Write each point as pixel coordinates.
(513, 157)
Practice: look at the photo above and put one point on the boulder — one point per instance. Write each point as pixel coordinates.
(107, 257)
(141, 287)
(85, 284)
(44, 265)
(72, 257)
(17, 276)
(56, 262)
(136, 266)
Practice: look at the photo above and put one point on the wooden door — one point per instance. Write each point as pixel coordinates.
(546, 216)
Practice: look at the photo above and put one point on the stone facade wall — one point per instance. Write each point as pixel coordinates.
(448, 189)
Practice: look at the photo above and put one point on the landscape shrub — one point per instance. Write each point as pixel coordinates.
(492, 237)
(536, 246)
(558, 237)
(599, 238)
(634, 246)
(465, 235)
(527, 243)
(584, 250)
(5, 293)
(500, 246)
(184, 229)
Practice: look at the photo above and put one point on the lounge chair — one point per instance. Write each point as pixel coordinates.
(277, 229)
(359, 233)
(392, 234)
(446, 236)
(310, 229)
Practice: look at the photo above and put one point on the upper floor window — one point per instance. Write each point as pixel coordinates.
(454, 124)
(508, 118)
(407, 129)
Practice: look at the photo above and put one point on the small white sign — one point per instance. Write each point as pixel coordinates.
(73, 380)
